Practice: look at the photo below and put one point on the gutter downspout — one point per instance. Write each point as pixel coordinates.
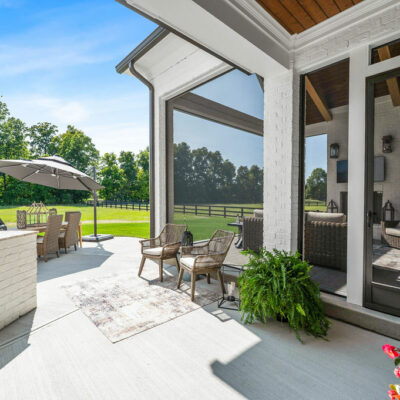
(139, 76)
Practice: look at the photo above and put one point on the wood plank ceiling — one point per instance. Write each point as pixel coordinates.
(298, 15)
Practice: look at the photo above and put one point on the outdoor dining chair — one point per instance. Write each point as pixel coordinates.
(69, 237)
(205, 258)
(49, 242)
(163, 247)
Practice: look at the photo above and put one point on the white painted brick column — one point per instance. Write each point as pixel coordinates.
(18, 267)
(281, 161)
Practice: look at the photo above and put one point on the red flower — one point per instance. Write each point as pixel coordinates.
(397, 372)
(393, 395)
(390, 351)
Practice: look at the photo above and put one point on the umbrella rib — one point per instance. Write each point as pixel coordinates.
(34, 172)
(87, 187)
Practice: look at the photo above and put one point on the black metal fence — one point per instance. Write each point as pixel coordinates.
(128, 205)
(314, 203)
(215, 210)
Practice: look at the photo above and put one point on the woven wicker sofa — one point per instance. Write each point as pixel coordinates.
(253, 228)
(390, 233)
(325, 239)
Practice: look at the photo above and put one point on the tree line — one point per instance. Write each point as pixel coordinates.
(202, 176)
(123, 177)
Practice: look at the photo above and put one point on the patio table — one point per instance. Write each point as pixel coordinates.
(42, 228)
(239, 225)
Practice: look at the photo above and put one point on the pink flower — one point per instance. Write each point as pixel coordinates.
(390, 351)
(393, 395)
(397, 372)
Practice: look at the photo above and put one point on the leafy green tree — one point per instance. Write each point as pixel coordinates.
(77, 148)
(41, 136)
(316, 185)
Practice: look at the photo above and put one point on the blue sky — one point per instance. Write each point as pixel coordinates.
(57, 64)
(316, 153)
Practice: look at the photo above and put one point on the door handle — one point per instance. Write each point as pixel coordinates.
(369, 219)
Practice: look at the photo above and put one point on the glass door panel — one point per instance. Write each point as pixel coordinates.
(383, 193)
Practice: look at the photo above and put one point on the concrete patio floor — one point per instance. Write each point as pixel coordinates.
(58, 353)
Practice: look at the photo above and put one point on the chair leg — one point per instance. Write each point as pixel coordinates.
(208, 278)
(75, 246)
(58, 254)
(141, 265)
(177, 263)
(192, 290)
(160, 268)
(45, 258)
(221, 282)
(180, 277)
(65, 248)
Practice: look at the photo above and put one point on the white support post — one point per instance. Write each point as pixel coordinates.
(281, 161)
(356, 179)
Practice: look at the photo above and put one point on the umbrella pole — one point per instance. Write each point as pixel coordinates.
(95, 212)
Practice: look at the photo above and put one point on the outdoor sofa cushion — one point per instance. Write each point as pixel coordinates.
(393, 231)
(258, 213)
(153, 251)
(312, 216)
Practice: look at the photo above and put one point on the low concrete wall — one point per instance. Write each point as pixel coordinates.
(18, 268)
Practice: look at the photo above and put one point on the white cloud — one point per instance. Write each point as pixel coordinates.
(114, 124)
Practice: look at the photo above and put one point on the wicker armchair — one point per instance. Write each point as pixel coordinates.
(163, 247)
(390, 233)
(253, 229)
(325, 239)
(69, 237)
(49, 242)
(205, 258)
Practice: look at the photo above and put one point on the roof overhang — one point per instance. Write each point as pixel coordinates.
(171, 64)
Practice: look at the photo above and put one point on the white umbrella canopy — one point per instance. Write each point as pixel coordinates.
(51, 171)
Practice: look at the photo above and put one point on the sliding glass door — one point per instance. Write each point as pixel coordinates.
(382, 269)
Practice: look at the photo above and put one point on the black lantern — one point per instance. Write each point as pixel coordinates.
(332, 207)
(334, 150)
(187, 238)
(388, 211)
(230, 299)
(387, 143)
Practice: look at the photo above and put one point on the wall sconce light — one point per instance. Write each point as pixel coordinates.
(334, 150)
(332, 207)
(388, 211)
(387, 143)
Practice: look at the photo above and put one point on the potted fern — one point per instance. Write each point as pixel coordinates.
(278, 285)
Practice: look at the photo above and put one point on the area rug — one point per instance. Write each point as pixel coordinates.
(123, 305)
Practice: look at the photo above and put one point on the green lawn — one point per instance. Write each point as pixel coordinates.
(138, 229)
(9, 214)
(203, 227)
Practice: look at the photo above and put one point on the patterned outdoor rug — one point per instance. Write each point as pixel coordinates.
(122, 305)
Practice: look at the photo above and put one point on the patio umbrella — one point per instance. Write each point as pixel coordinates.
(57, 173)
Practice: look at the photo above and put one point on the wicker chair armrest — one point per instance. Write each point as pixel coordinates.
(170, 249)
(153, 242)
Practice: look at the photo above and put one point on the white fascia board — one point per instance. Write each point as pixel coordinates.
(200, 26)
(175, 65)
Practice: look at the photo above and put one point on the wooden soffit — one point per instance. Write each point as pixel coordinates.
(298, 15)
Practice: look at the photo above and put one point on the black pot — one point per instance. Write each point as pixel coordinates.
(281, 318)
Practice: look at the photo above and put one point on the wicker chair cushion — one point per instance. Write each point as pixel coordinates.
(258, 214)
(39, 239)
(188, 261)
(325, 217)
(153, 251)
(62, 234)
(393, 231)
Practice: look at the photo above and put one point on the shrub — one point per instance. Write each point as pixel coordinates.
(278, 285)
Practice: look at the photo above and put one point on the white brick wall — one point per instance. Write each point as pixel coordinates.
(381, 25)
(281, 161)
(18, 266)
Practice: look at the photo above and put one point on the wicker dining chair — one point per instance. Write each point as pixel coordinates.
(163, 247)
(49, 242)
(69, 237)
(205, 258)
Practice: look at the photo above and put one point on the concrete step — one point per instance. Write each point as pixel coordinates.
(338, 308)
